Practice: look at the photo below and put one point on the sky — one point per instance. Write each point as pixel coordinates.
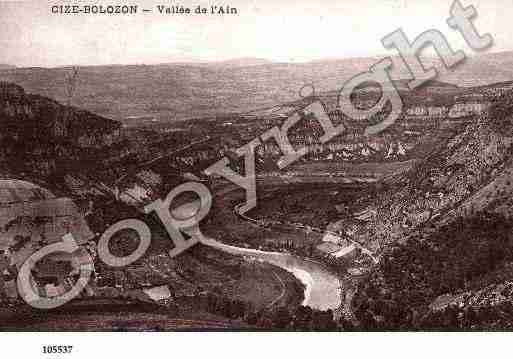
(277, 30)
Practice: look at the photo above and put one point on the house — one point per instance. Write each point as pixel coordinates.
(338, 251)
(348, 251)
(52, 290)
(328, 247)
(467, 109)
(11, 289)
(158, 293)
(331, 238)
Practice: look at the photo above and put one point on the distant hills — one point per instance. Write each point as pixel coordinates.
(238, 62)
(187, 90)
(243, 62)
(6, 67)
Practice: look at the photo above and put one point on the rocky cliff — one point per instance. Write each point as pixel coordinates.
(39, 136)
(445, 235)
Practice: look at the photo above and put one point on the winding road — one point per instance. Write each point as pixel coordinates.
(323, 289)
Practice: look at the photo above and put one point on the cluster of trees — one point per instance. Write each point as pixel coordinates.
(415, 273)
(500, 114)
(278, 318)
(454, 317)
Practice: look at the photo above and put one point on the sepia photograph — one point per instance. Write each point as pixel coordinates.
(255, 166)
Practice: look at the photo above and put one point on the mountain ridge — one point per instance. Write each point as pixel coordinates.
(171, 92)
(444, 234)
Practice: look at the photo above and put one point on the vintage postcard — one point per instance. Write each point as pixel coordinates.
(255, 166)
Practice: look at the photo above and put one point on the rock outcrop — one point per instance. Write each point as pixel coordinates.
(39, 136)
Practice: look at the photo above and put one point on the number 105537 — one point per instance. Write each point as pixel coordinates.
(57, 349)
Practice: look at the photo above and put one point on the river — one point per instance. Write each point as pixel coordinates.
(322, 288)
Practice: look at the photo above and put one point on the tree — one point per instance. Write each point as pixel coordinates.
(252, 318)
(71, 84)
(282, 318)
(61, 124)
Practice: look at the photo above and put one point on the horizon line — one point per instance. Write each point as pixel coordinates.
(193, 62)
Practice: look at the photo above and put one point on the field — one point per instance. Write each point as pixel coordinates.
(377, 170)
(116, 315)
(206, 269)
(266, 286)
(314, 205)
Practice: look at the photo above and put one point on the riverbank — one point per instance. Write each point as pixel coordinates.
(323, 287)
